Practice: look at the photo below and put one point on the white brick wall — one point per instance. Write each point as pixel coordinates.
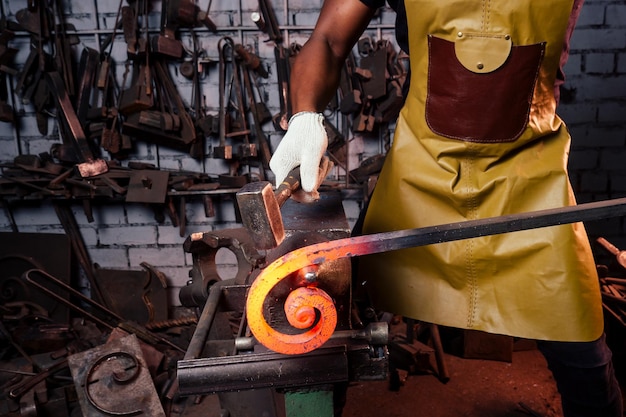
(124, 235)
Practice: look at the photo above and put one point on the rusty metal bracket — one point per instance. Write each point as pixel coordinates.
(114, 379)
(148, 186)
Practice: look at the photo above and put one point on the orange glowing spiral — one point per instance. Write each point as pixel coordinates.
(304, 259)
(301, 308)
(307, 308)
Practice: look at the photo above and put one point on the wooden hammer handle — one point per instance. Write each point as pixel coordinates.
(290, 184)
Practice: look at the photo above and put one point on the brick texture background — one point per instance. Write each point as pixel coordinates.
(124, 235)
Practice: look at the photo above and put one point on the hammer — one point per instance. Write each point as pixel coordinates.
(259, 206)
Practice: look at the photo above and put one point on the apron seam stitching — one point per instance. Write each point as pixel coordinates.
(469, 248)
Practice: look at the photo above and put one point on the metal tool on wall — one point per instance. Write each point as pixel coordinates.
(246, 149)
(201, 119)
(232, 119)
(68, 221)
(89, 164)
(257, 108)
(266, 20)
(223, 150)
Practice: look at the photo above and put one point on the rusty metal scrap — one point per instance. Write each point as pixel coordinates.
(613, 288)
(114, 379)
(90, 363)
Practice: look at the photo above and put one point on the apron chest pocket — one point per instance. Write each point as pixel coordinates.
(479, 96)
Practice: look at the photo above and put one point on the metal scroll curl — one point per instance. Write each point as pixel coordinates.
(308, 308)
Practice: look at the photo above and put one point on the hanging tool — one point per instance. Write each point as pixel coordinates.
(89, 165)
(88, 69)
(246, 149)
(62, 49)
(620, 255)
(204, 18)
(200, 120)
(165, 43)
(222, 151)
(306, 260)
(255, 107)
(265, 19)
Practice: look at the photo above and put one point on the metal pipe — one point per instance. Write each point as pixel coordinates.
(206, 320)
(262, 370)
(376, 334)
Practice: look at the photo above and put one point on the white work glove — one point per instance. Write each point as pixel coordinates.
(304, 144)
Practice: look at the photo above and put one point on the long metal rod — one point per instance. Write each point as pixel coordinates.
(57, 297)
(402, 239)
(224, 29)
(389, 241)
(142, 333)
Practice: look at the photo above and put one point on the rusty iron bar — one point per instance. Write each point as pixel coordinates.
(142, 333)
(30, 382)
(68, 221)
(402, 239)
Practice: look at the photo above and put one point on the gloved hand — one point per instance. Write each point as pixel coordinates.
(304, 144)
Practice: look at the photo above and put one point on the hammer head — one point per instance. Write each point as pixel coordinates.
(260, 214)
(92, 167)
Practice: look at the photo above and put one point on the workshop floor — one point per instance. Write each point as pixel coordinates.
(477, 388)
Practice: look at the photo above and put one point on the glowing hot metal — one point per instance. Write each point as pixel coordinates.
(319, 253)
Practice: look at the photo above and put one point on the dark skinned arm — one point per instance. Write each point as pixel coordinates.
(316, 71)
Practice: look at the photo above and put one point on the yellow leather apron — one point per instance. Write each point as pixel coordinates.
(478, 137)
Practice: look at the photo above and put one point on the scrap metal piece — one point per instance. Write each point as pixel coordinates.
(147, 186)
(28, 384)
(133, 295)
(99, 314)
(113, 379)
(20, 252)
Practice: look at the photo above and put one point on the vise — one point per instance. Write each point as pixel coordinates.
(226, 359)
